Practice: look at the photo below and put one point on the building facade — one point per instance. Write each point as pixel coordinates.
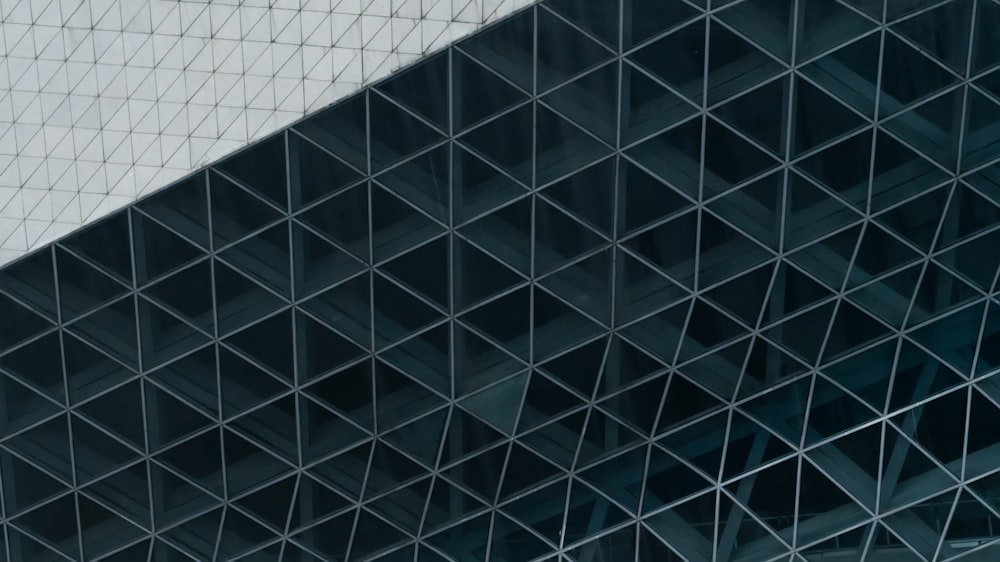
(605, 281)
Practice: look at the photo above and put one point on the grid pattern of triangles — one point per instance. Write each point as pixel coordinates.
(634, 280)
(105, 100)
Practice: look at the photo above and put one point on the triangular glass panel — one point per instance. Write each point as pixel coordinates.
(315, 173)
(866, 374)
(313, 501)
(240, 534)
(55, 525)
(398, 313)
(668, 480)
(112, 329)
(954, 338)
(32, 280)
(766, 366)
(588, 195)
(348, 306)
(647, 18)
(424, 182)
(504, 322)
(47, 446)
(689, 527)
(843, 168)
(603, 437)
(238, 299)
(986, 33)
(744, 295)
(236, 212)
(157, 250)
(833, 411)
(270, 343)
(581, 367)
(479, 362)
(900, 84)
(82, 288)
(25, 485)
(405, 508)
(508, 48)
(600, 20)
(591, 102)
(701, 444)
(768, 492)
(888, 297)
(544, 400)
(101, 244)
(198, 459)
(979, 440)
(261, 167)
(660, 333)
(424, 270)
(588, 513)
(719, 372)
(198, 537)
(183, 208)
(783, 409)
(823, 506)
(525, 470)
(988, 360)
(422, 438)
(481, 474)
(102, 531)
(638, 406)
(707, 328)
(324, 433)
(640, 288)
(819, 118)
(264, 257)
(563, 52)
(557, 441)
(928, 28)
(559, 239)
(350, 391)
(586, 284)
(853, 461)
(248, 465)
(96, 453)
(671, 246)
(851, 329)
(317, 263)
(168, 420)
(126, 492)
(805, 333)
(510, 541)
(272, 426)
(423, 89)
(541, 510)
(478, 91)
(724, 251)
(682, 402)
(466, 435)
(917, 220)
(399, 398)
(88, 371)
(498, 404)
(849, 73)
(734, 65)
(397, 226)
(729, 159)
(932, 128)
(756, 208)
(345, 220)
(829, 259)
(330, 539)
(684, 74)
(425, 357)
(968, 519)
(825, 25)
(38, 364)
(320, 350)
(125, 419)
(969, 213)
(342, 129)
(938, 293)
(900, 172)
(979, 144)
(647, 106)
(908, 474)
(674, 157)
(624, 365)
(920, 526)
(755, 114)
(163, 336)
(769, 24)
(506, 142)
(395, 134)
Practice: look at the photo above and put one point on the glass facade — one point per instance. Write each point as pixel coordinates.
(606, 281)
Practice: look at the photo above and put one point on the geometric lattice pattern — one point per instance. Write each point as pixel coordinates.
(607, 280)
(105, 100)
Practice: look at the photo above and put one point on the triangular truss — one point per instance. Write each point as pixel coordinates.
(605, 281)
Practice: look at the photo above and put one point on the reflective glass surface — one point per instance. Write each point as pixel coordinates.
(610, 280)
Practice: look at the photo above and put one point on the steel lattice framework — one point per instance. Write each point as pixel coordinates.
(607, 280)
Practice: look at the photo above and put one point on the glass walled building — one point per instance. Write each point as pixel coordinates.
(608, 280)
